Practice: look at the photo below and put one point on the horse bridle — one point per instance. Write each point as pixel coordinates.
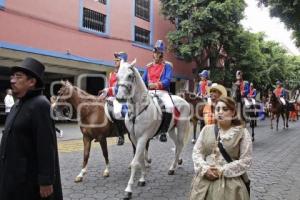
(60, 94)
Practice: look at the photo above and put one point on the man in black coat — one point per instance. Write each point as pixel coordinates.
(29, 167)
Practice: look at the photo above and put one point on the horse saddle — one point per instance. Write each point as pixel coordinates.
(249, 101)
(115, 110)
(166, 116)
(282, 101)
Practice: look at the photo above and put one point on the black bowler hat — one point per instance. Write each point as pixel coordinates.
(33, 68)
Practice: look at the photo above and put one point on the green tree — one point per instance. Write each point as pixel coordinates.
(245, 54)
(288, 11)
(203, 28)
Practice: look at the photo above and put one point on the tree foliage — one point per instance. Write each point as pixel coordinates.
(288, 11)
(203, 27)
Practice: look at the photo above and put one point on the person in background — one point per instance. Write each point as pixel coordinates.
(215, 91)
(252, 92)
(280, 92)
(110, 93)
(221, 177)
(29, 164)
(203, 86)
(240, 82)
(157, 77)
(251, 95)
(8, 101)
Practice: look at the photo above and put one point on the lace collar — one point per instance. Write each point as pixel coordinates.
(230, 133)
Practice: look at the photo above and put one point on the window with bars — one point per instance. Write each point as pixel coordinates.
(1, 4)
(142, 9)
(141, 35)
(93, 20)
(102, 1)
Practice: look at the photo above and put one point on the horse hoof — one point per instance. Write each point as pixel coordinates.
(128, 195)
(180, 161)
(106, 174)
(149, 160)
(171, 172)
(78, 179)
(141, 183)
(193, 141)
(252, 139)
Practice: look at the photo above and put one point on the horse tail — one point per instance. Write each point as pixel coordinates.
(186, 133)
(187, 128)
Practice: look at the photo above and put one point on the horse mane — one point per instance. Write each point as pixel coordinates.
(83, 95)
(274, 99)
(87, 97)
(138, 75)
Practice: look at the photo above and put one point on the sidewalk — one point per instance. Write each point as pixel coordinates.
(71, 131)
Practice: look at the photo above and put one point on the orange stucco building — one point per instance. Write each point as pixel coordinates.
(75, 37)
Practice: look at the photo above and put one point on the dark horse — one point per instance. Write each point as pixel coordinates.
(93, 121)
(197, 104)
(277, 109)
(245, 113)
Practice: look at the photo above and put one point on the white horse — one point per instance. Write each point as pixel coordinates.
(144, 118)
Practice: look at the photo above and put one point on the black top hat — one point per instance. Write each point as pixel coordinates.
(31, 67)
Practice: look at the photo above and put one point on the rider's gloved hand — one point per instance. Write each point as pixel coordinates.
(152, 85)
(103, 93)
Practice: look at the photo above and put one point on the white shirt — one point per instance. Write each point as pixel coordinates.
(9, 102)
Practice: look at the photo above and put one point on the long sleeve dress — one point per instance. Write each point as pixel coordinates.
(237, 143)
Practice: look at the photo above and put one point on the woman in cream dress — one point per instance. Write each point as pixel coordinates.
(216, 179)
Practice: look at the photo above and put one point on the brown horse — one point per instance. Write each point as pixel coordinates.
(277, 109)
(197, 104)
(94, 123)
(245, 113)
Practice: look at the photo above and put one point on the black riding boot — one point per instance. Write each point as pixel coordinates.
(121, 129)
(165, 126)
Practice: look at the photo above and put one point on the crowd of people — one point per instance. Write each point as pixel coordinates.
(222, 155)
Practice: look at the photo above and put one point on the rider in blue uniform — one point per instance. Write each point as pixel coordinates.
(157, 77)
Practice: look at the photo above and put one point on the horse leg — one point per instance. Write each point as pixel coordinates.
(272, 117)
(103, 144)
(252, 125)
(287, 119)
(133, 146)
(179, 139)
(135, 163)
(195, 131)
(283, 119)
(146, 155)
(277, 121)
(174, 138)
(142, 162)
(87, 148)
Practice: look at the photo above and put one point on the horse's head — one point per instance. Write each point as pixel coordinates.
(65, 92)
(273, 98)
(60, 103)
(236, 93)
(127, 76)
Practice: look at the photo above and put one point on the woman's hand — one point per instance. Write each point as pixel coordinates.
(212, 173)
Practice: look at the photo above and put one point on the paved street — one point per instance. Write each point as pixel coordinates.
(275, 172)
